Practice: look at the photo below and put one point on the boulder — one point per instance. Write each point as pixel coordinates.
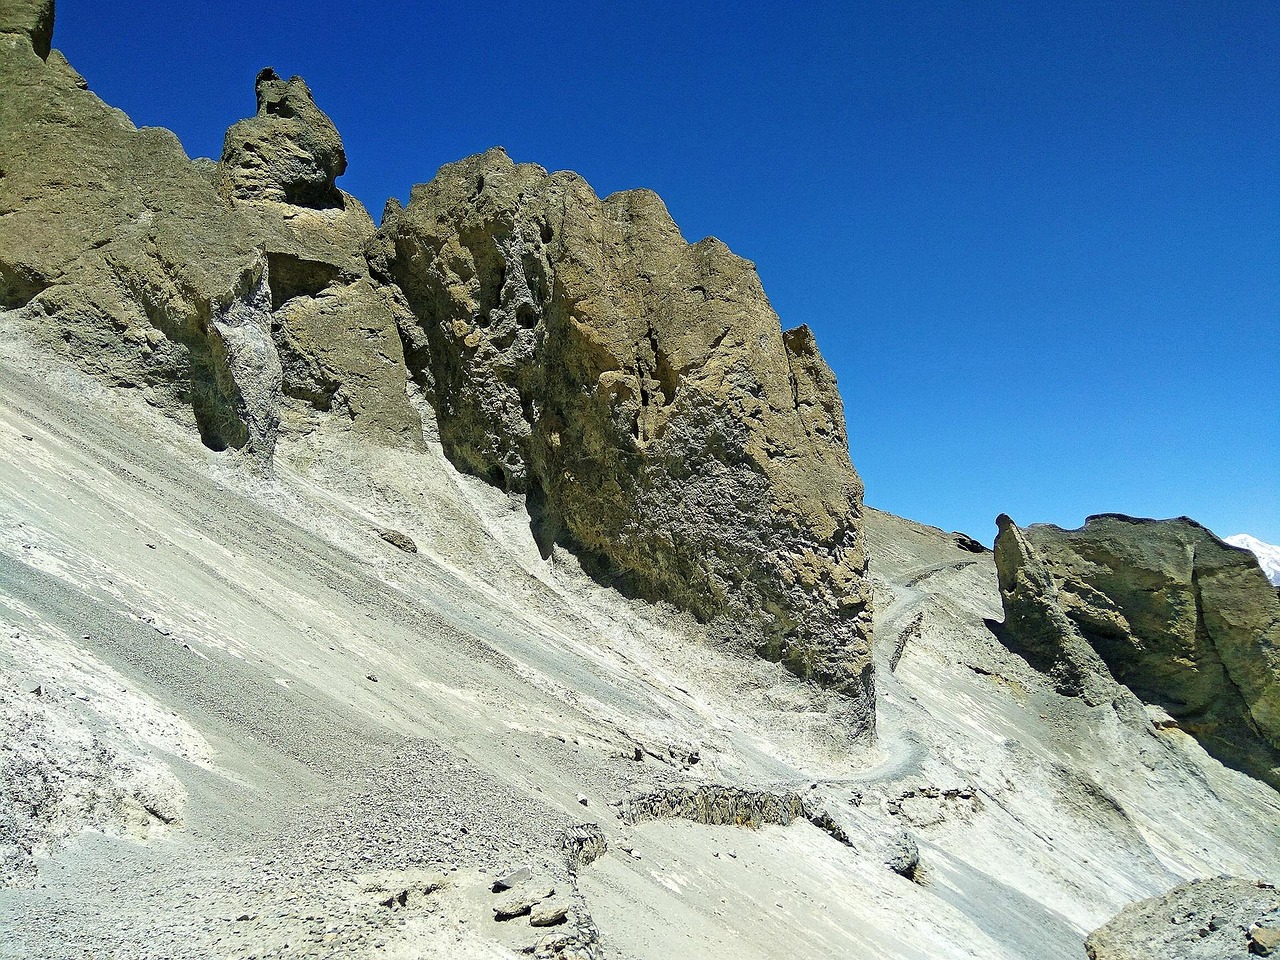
(1216, 919)
(521, 900)
(642, 393)
(1184, 620)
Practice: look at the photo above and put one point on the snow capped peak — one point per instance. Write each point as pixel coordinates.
(1268, 554)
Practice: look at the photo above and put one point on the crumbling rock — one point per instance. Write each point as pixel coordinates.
(583, 844)
(640, 390)
(1216, 919)
(1185, 621)
(862, 829)
(717, 806)
(289, 151)
(401, 541)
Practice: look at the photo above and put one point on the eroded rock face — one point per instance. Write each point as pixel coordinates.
(290, 151)
(1217, 919)
(122, 253)
(126, 258)
(642, 392)
(1183, 619)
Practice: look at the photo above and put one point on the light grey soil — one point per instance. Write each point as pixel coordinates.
(235, 721)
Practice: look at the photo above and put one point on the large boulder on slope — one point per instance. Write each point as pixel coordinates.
(1181, 618)
(1216, 919)
(641, 390)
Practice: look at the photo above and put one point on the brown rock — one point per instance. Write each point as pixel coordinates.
(641, 391)
(1183, 619)
(32, 19)
(290, 151)
(548, 914)
(120, 252)
(521, 901)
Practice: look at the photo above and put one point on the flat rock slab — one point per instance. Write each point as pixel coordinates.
(513, 879)
(519, 902)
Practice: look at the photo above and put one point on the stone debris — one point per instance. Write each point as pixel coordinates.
(521, 900)
(1222, 918)
(399, 540)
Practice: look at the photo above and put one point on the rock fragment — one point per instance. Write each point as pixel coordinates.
(400, 541)
(520, 901)
(512, 879)
(548, 914)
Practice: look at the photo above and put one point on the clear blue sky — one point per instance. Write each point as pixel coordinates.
(1039, 242)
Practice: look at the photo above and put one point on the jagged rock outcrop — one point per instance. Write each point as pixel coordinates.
(1183, 619)
(642, 392)
(290, 151)
(124, 254)
(1216, 919)
(638, 388)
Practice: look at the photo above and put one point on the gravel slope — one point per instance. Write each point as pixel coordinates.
(235, 721)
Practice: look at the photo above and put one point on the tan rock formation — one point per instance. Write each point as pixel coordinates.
(643, 392)
(122, 253)
(1183, 619)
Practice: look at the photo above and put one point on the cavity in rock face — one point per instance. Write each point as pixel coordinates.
(641, 391)
(30, 18)
(1183, 619)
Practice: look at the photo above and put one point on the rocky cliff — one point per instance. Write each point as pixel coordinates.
(642, 392)
(234, 295)
(1183, 619)
(638, 389)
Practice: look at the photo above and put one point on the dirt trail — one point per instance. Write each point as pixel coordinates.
(260, 717)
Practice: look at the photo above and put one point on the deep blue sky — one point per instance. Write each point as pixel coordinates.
(1039, 243)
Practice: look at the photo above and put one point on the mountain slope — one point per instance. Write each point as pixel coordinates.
(299, 717)
(1268, 554)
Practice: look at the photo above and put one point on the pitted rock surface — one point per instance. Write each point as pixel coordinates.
(289, 151)
(1213, 919)
(642, 392)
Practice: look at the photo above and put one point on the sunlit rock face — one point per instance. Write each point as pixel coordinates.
(1183, 619)
(644, 394)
